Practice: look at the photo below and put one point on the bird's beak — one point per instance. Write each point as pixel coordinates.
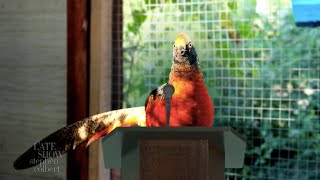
(182, 50)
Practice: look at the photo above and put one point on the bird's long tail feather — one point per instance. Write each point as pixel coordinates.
(85, 131)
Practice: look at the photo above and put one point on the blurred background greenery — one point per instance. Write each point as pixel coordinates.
(263, 74)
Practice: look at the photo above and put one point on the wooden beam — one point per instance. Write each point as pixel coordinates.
(117, 59)
(117, 64)
(100, 77)
(77, 81)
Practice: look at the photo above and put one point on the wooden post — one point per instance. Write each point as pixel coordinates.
(117, 50)
(77, 78)
(100, 76)
(117, 64)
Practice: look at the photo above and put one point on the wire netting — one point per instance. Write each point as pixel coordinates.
(263, 74)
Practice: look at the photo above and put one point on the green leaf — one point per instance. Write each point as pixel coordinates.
(132, 28)
(232, 5)
(139, 16)
(150, 2)
(245, 30)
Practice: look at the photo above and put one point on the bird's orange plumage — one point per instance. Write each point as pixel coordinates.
(191, 104)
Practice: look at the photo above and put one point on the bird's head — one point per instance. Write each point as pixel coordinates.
(184, 51)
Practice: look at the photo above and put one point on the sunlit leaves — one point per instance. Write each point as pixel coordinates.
(139, 18)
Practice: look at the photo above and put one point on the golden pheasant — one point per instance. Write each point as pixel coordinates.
(191, 105)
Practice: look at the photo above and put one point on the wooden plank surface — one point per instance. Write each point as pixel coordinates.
(173, 159)
(77, 80)
(33, 80)
(100, 77)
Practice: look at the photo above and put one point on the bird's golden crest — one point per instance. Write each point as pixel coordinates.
(182, 39)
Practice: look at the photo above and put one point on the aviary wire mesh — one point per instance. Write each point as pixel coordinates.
(263, 74)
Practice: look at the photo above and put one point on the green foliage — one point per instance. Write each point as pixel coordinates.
(263, 74)
(138, 18)
(281, 88)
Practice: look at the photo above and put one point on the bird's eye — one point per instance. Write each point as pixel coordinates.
(190, 45)
(174, 46)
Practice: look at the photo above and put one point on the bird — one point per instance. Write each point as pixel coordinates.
(191, 105)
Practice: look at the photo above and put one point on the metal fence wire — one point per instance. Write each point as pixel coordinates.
(263, 74)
